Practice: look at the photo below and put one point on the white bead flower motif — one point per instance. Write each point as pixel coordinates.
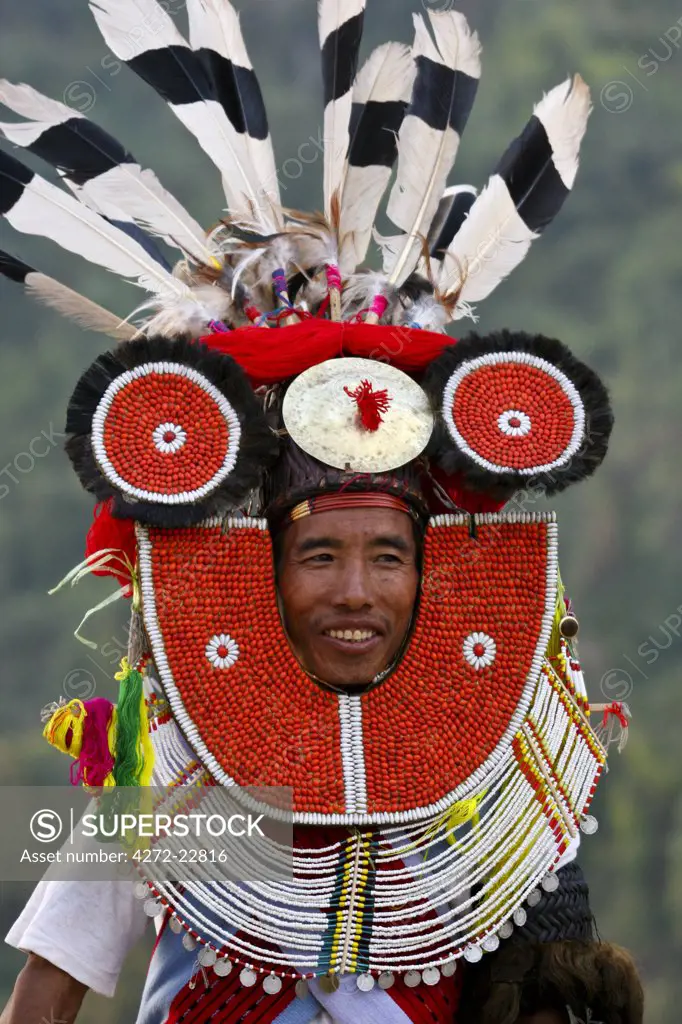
(169, 438)
(222, 651)
(514, 423)
(479, 649)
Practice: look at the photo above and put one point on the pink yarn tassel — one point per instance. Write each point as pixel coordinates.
(333, 276)
(218, 327)
(378, 307)
(95, 761)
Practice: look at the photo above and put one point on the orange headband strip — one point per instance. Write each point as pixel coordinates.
(331, 502)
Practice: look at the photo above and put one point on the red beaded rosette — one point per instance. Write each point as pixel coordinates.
(517, 411)
(168, 429)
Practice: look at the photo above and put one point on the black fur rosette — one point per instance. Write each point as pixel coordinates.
(517, 411)
(170, 430)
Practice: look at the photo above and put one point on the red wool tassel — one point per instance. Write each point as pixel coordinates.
(615, 709)
(371, 404)
(108, 532)
(268, 357)
(463, 497)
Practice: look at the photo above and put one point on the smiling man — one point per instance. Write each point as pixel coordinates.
(348, 582)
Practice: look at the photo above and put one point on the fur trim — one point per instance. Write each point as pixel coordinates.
(257, 447)
(592, 392)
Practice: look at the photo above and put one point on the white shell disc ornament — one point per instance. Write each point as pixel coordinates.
(323, 413)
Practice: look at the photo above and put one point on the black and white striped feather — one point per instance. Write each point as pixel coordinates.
(215, 35)
(98, 169)
(340, 24)
(34, 206)
(453, 209)
(523, 196)
(143, 35)
(448, 71)
(65, 300)
(381, 94)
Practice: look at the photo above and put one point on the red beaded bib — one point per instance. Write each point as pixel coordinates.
(423, 738)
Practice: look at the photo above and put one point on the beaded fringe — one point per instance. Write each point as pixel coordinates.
(407, 900)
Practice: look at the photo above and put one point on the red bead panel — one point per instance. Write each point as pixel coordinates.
(145, 404)
(426, 729)
(488, 392)
(262, 719)
(438, 718)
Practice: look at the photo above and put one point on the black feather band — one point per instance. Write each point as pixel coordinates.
(121, 451)
(176, 73)
(79, 148)
(239, 93)
(528, 170)
(14, 177)
(442, 98)
(340, 58)
(14, 269)
(451, 214)
(377, 144)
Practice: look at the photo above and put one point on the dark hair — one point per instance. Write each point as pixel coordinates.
(297, 476)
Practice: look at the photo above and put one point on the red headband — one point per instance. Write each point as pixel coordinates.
(348, 499)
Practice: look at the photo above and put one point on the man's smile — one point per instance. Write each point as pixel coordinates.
(352, 641)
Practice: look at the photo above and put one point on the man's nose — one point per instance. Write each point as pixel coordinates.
(354, 590)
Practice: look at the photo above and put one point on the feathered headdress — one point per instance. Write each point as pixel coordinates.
(264, 263)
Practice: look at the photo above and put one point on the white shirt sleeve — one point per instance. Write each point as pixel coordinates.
(85, 928)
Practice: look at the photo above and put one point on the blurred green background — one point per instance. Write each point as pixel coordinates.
(605, 279)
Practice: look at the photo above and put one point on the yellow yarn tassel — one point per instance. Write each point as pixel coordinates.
(461, 812)
(146, 745)
(111, 743)
(128, 738)
(64, 730)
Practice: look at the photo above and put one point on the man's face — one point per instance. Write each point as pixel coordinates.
(348, 582)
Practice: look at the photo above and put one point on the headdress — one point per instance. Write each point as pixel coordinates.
(268, 370)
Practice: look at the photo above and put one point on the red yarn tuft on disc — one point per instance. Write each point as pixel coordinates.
(371, 404)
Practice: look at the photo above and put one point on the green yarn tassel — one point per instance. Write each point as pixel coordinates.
(128, 765)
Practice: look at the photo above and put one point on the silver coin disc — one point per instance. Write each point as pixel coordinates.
(272, 984)
(472, 954)
(207, 956)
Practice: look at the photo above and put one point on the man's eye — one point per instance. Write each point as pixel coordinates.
(388, 558)
(321, 558)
